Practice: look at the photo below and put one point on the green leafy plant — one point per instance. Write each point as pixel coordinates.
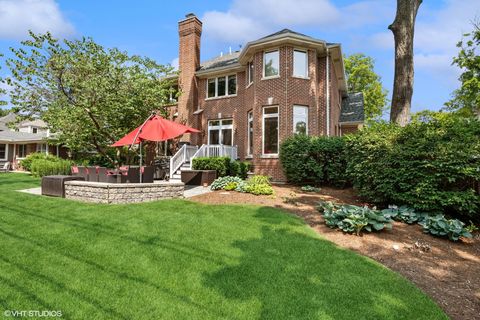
(231, 186)
(222, 182)
(259, 189)
(405, 214)
(442, 227)
(259, 179)
(314, 159)
(291, 199)
(471, 227)
(309, 188)
(44, 167)
(350, 218)
(27, 162)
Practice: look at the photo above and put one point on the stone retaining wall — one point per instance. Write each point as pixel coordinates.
(99, 192)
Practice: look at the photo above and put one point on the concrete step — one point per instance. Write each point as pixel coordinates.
(175, 180)
(176, 176)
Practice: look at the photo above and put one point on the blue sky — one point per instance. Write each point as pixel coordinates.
(149, 28)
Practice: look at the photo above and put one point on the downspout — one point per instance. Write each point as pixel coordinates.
(328, 93)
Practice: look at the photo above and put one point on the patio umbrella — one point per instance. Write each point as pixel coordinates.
(155, 128)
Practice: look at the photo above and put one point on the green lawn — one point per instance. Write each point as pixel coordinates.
(183, 260)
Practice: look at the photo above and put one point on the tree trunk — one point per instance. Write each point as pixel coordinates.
(403, 31)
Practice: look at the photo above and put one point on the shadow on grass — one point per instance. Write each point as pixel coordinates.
(294, 275)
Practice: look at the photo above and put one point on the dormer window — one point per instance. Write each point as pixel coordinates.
(300, 64)
(34, 130)
(222, 86)
(271, 64)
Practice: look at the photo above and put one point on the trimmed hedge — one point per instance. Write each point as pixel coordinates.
(431, 165)
(319, 160)
(27, 162)
(223, 165)
(43, 167)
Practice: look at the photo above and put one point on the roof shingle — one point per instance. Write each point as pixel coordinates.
(352, 108)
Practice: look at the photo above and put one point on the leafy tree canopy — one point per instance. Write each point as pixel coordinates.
(89, 95)
(466, 99)
(362, 78)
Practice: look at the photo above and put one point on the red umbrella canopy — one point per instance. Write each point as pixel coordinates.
(155, 128)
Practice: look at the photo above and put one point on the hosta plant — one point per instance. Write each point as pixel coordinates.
(309, 188)
(222, 182)
(442, 227)
(405, 214)
(351, 218)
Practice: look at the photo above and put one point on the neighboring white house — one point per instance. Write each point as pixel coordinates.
(22, 139)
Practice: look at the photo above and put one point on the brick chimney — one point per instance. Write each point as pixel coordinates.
(189, 31)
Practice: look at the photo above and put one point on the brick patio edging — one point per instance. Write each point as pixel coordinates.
(116, 193)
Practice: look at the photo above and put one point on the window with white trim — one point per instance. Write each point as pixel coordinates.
(42, 147)
(3, 151)
(300, 64)
(21, 151)
(271, 64)
(220, 132)
(270, 131)
(222, 86)
(300, 119)
(250, 133)
(250, 70)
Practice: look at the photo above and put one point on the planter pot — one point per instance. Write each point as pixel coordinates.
(198, 177)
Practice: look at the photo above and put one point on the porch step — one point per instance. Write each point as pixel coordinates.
(177, 176)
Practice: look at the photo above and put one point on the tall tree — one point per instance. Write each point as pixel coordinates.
(466, 99)
(2, 93)
(89, 95)
(361, 77)
(403, 28)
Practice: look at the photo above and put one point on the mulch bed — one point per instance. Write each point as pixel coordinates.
(449, 272)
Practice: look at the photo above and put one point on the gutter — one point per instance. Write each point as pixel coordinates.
(328, 93)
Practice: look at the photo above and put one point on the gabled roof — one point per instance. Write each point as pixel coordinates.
(33, 123)
(4, 121)
(352, 108)
(284, 31)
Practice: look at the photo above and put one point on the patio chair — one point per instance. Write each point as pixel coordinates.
(75, 171)
(92, 174)
(132, 175)
(6, 167)
(106, 175)
(147, 174)
(82, 172)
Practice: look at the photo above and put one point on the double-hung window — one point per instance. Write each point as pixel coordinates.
(3, 151)
(300, 119)
(270, 131)
(271, 64)
(22, 151)
(222, 86)
(220, 132)
(250, 133)
(300, 64)
(42, 147)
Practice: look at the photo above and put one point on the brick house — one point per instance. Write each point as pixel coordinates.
(253, 99)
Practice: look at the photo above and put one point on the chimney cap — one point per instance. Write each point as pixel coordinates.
(190, 15)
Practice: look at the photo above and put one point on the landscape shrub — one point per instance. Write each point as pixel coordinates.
(321, 160)
(405, 214)
(257, 185)
(350, 218)
(308, 188)
(220, 164)
(245, 167)
(27, 162)
(234, 169)
(431, 165)
(44, 167)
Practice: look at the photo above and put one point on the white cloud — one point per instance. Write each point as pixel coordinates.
(19, 16)
(436, 33)
(174, 64)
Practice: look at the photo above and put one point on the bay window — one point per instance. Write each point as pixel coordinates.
(270, 131)
(300, 64)
(220, 131)
(250, 133)
(300, 119)
(222, 86)
(271, 64)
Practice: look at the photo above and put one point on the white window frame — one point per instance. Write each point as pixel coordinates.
(264, 64)
(6, 151)
(306, 120)
(17, 152)
(306, 64)
(249, 120)
(220, 127)
(227, 77)
(270, 115)
(41, 149)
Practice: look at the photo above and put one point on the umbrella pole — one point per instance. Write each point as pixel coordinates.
(141, 160)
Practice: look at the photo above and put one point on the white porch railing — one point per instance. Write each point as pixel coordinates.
(184, 154)
(215, 150)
